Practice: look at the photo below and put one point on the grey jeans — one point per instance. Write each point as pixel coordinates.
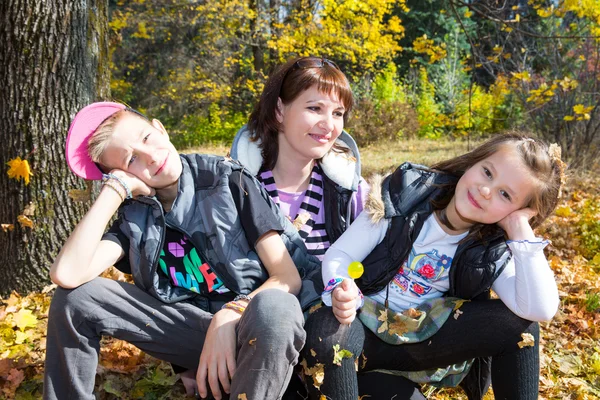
(78, 318)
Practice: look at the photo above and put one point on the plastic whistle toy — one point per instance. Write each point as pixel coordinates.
(355, 269)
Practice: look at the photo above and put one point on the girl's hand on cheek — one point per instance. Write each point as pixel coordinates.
(516, 224)
(136, 185)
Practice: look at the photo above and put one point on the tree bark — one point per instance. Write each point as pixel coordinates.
(53, 61)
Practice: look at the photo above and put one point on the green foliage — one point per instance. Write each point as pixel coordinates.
(592, 301)
(218, 126)
(589, 228)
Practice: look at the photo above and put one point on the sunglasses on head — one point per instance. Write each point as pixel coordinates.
(313, 62)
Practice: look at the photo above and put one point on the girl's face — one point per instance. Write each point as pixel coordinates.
(143, 149)
(493, 188)
(310, 124)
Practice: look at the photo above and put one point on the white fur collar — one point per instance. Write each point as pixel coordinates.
(342, 168)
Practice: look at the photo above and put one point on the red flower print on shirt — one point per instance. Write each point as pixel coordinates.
(427, 271)
(418, 289)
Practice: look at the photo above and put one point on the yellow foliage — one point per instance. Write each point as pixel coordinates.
(19, 169)
(427, 46)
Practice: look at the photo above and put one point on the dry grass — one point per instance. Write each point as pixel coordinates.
(385, 156)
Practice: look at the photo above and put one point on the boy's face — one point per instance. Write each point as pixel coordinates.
(143, 149)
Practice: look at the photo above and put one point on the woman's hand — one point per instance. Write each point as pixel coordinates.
(343, 301)
(136, 185)
(217, 361)
(516, 224)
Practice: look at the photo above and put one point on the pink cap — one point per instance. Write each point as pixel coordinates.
(85, 123)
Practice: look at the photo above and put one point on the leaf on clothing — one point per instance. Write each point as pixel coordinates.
(323, 397)
(398, 327)
(340, 354)
(317, 373)
(412, 313)
(458, 303)
(252, 342)
(363, 364)
(313, 353)
(301, 219)
(315, 307)
(19, 169)
(25, 221)
(457, 314)
(528, 340)
(7, 227)
(25, 319)
(242, 396)
(383, 317)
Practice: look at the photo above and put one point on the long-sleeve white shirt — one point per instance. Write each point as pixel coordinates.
(526, 285)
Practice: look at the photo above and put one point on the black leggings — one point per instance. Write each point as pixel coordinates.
(485, 329)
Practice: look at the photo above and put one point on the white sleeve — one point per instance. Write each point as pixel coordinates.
(527, 284)
(354, 245)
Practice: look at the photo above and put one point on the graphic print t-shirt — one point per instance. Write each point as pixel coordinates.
(424, 274)
(181, 262)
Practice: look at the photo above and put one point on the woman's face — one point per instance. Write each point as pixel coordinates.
(144, 150)
(310, 124)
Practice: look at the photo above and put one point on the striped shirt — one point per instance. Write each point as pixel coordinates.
(305, 207)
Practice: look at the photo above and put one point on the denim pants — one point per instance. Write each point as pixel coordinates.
(78, 319)
(484, 329)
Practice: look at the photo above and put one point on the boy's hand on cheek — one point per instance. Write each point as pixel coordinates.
(343, 301)
(516, 224)
(136, 185)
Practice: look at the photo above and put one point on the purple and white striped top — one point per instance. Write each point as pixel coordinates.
(308, 202)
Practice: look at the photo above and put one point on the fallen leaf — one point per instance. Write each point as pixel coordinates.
(457, 314)
(242, 396)
(313, 353)
(317, 373)
(528, 340)
(340, 354)
(398, 327)
(25, 221)
(383, 317)
(19, 169)
(7, 227)
(364, 360)
(412, 313)
(25, 319)
(315, 307)
(251, 342)
(458, 303)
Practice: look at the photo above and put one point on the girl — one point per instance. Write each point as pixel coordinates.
(213, 261)
(296, 146)
(458, 229)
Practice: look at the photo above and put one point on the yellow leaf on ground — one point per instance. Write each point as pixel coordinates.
(19, 169)
(528, 340)
(25, 319)
(25, 222)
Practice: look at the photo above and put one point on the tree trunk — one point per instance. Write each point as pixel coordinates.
(53, 61)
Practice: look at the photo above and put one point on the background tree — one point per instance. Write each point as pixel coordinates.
(54, 60)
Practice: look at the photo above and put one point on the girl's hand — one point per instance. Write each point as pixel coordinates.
(516, 224)
(136, 185)
(217, 361)
(343, 301)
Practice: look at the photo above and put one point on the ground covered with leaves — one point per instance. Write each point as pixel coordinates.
(570, 343)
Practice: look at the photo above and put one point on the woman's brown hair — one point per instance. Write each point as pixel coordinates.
(542, 161)
(287, 83)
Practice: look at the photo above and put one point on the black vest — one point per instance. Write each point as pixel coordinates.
(407, 196)
(338, 208)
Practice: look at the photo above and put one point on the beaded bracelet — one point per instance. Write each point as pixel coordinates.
(235, 306)
(114, 187)
(243, 297)
(106, 177)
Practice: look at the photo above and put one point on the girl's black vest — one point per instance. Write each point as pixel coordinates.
(407, 196)
(337, 201)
